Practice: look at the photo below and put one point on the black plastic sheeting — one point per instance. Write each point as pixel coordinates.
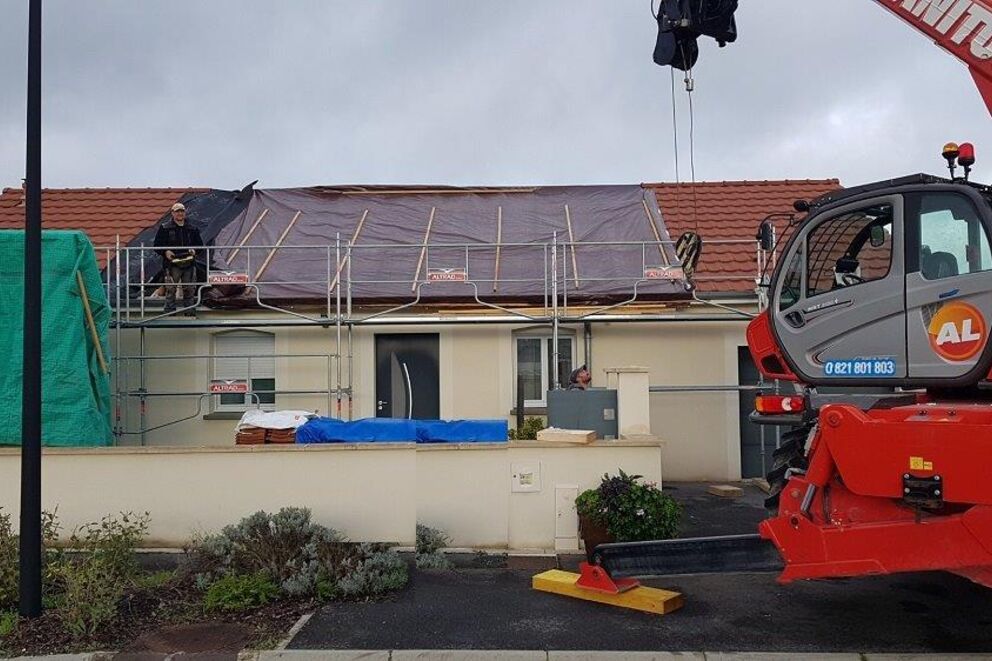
(209, 212)
(462, 236)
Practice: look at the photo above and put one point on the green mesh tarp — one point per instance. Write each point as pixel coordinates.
(75, 390)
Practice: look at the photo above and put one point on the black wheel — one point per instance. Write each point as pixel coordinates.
(790, 455)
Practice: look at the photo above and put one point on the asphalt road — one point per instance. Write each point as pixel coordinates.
(496, 609)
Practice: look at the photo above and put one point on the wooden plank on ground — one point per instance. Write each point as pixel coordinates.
(554, 435)
(642, 598)
(724, 491)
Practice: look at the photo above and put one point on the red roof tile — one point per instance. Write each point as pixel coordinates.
(723, 210)
(102, 213)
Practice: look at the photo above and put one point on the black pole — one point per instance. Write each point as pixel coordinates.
(30, 541)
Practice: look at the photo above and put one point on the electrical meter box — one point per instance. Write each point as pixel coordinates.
(595, 408)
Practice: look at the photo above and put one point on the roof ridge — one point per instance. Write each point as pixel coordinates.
(745, 182)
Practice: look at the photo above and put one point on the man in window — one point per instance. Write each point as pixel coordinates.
(180, 265)
(579, 379)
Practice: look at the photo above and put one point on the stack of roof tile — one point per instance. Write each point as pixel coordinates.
(251, 436)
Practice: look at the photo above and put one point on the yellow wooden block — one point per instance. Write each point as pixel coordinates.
(642, 598)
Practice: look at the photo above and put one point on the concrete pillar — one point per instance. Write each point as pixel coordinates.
(633, 406)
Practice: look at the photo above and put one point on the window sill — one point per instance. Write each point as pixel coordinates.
(528, 410)
(224, 415)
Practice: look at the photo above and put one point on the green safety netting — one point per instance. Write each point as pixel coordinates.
(76, 399)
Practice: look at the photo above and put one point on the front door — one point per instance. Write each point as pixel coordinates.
(407, 383)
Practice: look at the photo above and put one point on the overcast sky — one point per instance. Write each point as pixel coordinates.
(183, 93)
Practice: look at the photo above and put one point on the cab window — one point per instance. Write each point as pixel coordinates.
(953, 240)
(849, 249)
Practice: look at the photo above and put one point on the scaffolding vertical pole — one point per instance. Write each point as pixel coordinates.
(351, 348)
(141, 290)
(337, 316)
(117, 332)
(554, 312)
(143, 384)
(127, 282)
(30, 510)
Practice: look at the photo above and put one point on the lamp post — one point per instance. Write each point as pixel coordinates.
(30, 516)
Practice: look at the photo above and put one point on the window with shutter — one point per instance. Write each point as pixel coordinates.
(245, 354)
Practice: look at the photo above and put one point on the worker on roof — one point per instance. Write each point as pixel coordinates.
(579, 379)
(175, 241)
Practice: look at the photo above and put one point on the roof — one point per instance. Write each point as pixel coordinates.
(716, 210)
(723, 210)
(102, 213)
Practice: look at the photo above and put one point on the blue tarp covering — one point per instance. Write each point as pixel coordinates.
(462, 431)
(390, 430)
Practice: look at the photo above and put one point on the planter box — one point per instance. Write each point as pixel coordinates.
(593, 534)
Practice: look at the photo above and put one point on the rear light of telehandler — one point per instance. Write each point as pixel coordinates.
(779, 403)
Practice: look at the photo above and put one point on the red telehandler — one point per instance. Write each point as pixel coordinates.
(879, 314)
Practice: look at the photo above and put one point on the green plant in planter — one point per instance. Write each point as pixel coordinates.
(631, 511)
(528, 432)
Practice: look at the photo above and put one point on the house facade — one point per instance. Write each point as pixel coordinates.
(437, 303)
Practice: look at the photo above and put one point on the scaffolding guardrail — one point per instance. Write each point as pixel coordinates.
(558, 284)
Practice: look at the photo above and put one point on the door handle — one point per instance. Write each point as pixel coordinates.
(380, 404)
(409, 392)
(796, 319)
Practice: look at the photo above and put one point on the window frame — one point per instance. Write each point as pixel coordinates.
(546, 338)
(807, 259)
(915, 234)
(253, 373)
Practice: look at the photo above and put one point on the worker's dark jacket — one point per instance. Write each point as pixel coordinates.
(170, 236)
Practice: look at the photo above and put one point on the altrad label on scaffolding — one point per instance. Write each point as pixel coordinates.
(447, 275)
(225, 278)
(664, 273)
(228, 386)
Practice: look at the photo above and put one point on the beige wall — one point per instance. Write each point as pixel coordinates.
(477, 381)
(370, 492)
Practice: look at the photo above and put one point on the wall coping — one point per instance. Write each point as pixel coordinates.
(332, 447)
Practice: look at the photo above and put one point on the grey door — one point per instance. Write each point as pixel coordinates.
(407, 383)
(947, 292)
(842, 300)
(754, 463)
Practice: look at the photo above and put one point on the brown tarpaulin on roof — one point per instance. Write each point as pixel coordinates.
(462, 235)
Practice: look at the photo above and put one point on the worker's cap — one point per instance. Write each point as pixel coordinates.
(573, 377)
(179, 206)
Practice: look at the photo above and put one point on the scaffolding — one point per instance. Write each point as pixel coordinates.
(560, 294)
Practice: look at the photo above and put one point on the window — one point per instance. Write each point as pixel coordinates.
(952, 238)
(849, 250)
(535, 359)
(248, 355)
(792, 285)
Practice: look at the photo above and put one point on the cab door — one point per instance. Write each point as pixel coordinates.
(948, 297)
(839, 307)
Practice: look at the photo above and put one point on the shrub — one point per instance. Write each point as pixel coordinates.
(100, 568)
(529, 430)
(379, 572)
(239, 593)
(287, 545)
(631, 511)
(430, 541)
(9, 568)
(302, 558)
(8, 623)
(155, 580)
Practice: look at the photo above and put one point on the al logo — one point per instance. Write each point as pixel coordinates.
(957, 332)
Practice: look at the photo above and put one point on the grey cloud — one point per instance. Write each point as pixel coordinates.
(562, 91)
